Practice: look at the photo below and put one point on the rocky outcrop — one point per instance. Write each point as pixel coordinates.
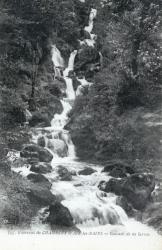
(60, 219)
(40, 180)
(35, 151)
(41, 141)
(58, 88)
(39, 120)
(87, 60)
(122, 202)
(87, 171)
(118, 173)
(116, 168)
(40, 195)
(136, 188)
(41, 168)
(64, 174)
(152, 215)
(60, 215)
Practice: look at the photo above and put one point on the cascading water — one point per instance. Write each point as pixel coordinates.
(89, 28)
(92, 210)
(69, 84)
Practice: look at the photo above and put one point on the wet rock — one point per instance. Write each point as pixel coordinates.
(78, 185)
(122, 202)
(64, 174)
(41, 141)
(27, 154)
(86, 35)
(59, 216)
(86, 57)
(76, 83)
(45, 156)
(87, 171)
(73, 172)
(120, 167)
(40, 195)
(136, 188)
(112, 186)
(118, 172)
(35, 151)
(39, 179)
(152, 215)
(58, 146)
(41, 168)
(32, 161)
(39, 120)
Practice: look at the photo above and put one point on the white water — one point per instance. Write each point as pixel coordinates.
(69, 83)
(83, 83)
(92, 15)
(56, 57)
(92, 210)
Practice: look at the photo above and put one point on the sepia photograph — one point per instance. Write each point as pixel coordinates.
(81, 124)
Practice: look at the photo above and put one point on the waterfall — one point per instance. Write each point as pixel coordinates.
(60, 120)
(56, 57)
(84, 83)
(70, 63)
(92, 210)
(69, 84)
(92, 15)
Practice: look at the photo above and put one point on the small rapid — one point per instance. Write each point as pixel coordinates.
(92, 210)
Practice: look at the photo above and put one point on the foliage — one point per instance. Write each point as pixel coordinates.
(105, 121)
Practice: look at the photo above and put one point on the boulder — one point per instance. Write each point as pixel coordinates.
(39, 179)
(118, 172)
(86, 171)
(122, 202)
(27, 154)
(32, 161)
(86, 35)
(58, 146)
(64, 174)
(40, 195)
(73, 172)
(35, 151)
(136, 188)
(39, 120)
(152, 215)
(120, 166)
(41, 168)
(41, 141)
(59, 215)
(112, 186)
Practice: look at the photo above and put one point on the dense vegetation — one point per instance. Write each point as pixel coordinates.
(28, 29)
(108, 121)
